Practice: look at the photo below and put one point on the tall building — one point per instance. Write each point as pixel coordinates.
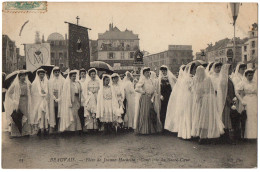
(174, 57)
(59, 50)
(117, 48)
(250, 48)
(9, 56)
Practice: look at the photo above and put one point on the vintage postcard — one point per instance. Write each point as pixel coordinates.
(129, 85)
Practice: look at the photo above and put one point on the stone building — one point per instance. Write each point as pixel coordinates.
(174, 57)
(250, 48)
(9, 55)
(117, 48)
(59, 50)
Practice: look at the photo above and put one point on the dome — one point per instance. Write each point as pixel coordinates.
(55, 37)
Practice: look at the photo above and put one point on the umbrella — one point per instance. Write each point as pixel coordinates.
(47, 68)
(17, 117)
(10, 77)
(198, 62)
(102, 66)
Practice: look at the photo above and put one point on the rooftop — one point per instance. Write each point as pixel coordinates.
(55, 37)
(116, 34)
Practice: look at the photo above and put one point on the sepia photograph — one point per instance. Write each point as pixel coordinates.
(129, 85)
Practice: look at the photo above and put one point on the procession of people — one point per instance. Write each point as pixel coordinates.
(205, 102)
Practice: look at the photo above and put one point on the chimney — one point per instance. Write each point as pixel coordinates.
(65, 37)
(110, 27)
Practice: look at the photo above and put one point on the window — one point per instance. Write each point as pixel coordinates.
(52, 43)
(122, 55)
(245, 58)
(60, 42)
(253, 52)
(57, 62)
(52, 55)
(111, 55)
(60, 55)
(131, 55)
(253, 44)
(245, 48)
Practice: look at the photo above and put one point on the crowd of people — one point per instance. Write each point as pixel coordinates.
(204, 101)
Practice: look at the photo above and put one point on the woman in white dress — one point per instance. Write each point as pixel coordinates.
(55, 89)
(237, 78)
(40, 108)
(249, 102)
(118, 88)
(107, 104)
(208, 124)
(18, 97)
(173, 107)
(130, 97)
(90, 91)
(185, 118)
(71, 95)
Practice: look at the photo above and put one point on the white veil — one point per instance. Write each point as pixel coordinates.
(223, 85)
(66, 116)
(36, 98)
(171, 120)
(100, 100)
(60, 81)
(172, 78)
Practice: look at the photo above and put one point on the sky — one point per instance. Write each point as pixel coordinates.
(157, 24)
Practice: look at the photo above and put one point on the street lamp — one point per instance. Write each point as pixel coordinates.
(234, 9)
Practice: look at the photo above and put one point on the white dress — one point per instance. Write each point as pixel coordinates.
(250, 98)
(184, 130)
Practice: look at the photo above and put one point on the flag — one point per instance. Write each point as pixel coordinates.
(37, 55)
(79, 50)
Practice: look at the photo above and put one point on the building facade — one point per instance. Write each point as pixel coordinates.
(9, 55)
(223, 50)
(59, 50)
(174, 57)
(250, 48)
(117, 48)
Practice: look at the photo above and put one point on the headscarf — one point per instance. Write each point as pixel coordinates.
(12, 98)
(66, 115)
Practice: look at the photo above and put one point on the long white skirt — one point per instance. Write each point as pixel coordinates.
(251, 122)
